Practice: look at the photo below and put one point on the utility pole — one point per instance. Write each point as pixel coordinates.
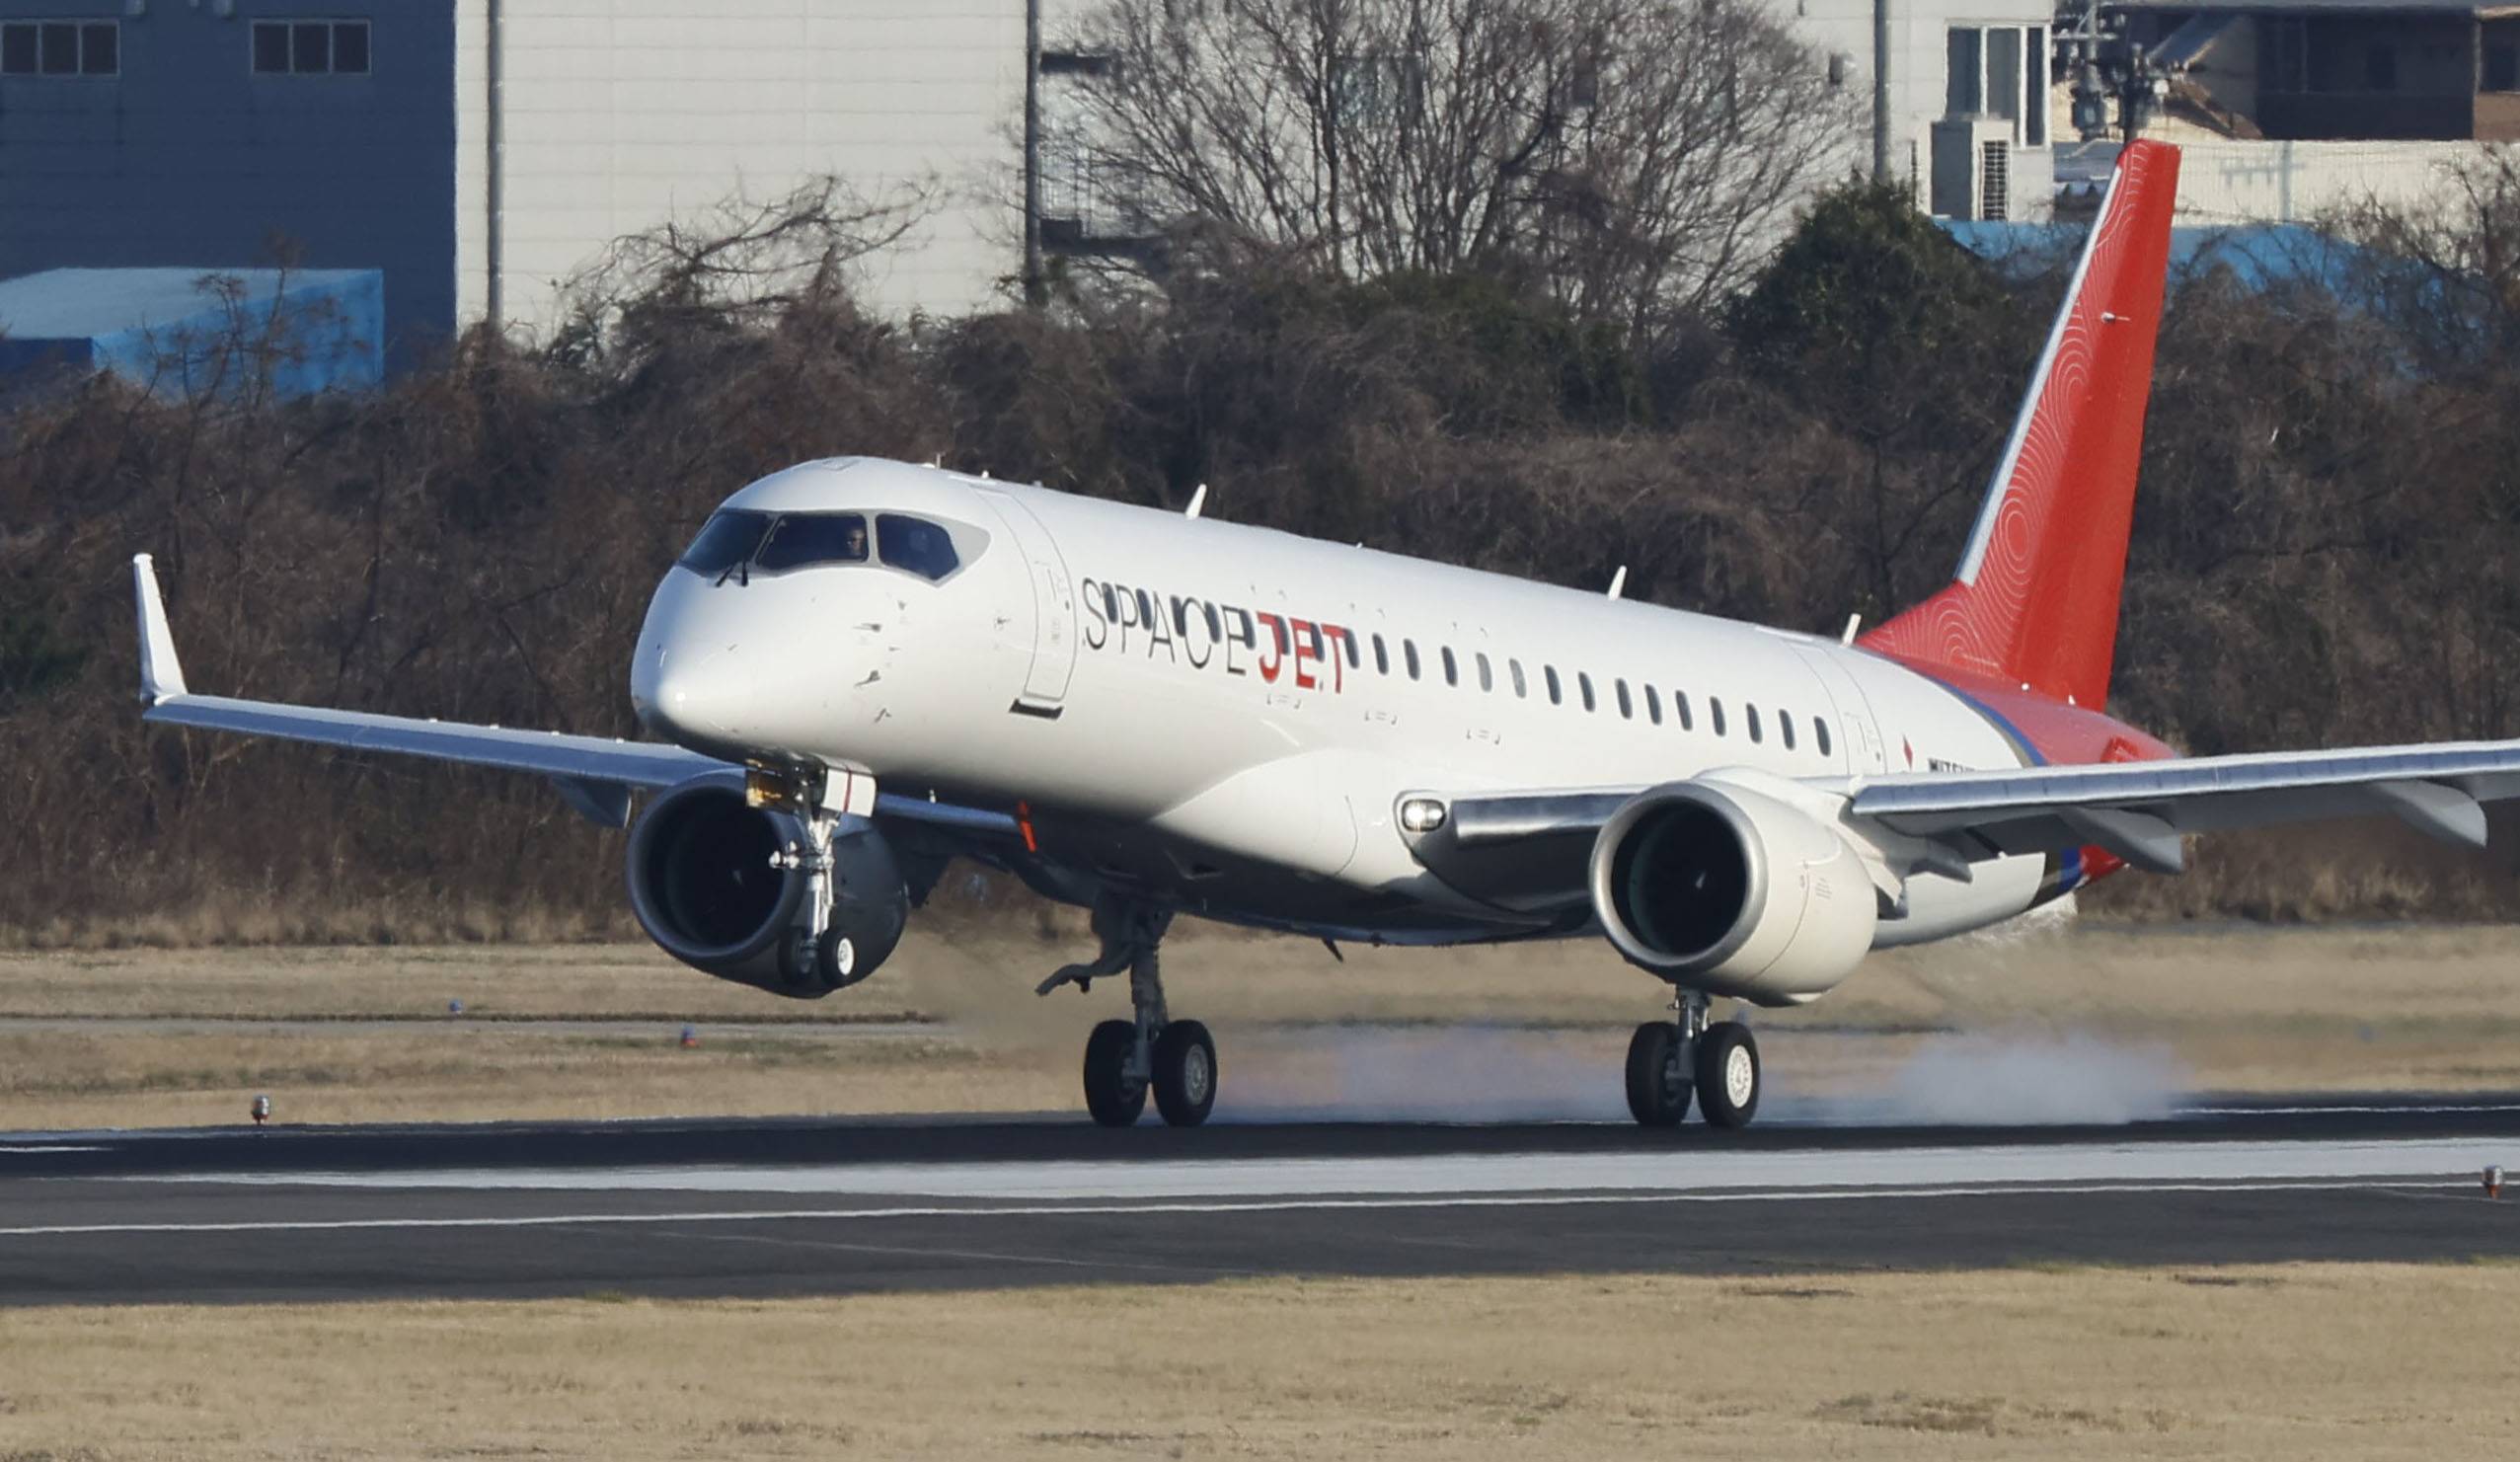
(1036, 289)
(1881, 91)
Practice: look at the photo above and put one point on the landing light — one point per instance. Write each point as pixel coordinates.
(1422, 814)
(767, 789)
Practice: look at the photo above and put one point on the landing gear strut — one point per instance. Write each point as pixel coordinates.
(1123, 1059)
(1669, 1060)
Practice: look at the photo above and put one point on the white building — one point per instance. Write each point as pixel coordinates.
(481, 152)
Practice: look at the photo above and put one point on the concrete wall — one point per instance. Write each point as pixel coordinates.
(188, 159)
(621, 113)
(2237, 181)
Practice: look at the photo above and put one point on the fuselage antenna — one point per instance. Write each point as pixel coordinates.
(1198, 500)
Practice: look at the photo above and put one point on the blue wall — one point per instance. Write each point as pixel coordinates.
(189, 159)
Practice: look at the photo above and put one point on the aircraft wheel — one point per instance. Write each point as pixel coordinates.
(1112, 1094)
(835, 960)
(1185, 1073)
(1729, 1074)
(1658, 1084)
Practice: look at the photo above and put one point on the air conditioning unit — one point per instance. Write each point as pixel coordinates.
(1973, 168)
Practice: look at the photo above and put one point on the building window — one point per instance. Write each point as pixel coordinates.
(2502, 68)
(1999, 71)
(310, 48)
(61, 49)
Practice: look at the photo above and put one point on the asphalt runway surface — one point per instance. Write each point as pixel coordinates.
(796, 1206)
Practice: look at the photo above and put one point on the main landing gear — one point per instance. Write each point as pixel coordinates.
(1668, 1060)
(1123, 1059)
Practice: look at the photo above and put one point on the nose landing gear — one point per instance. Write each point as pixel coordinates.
(1126, 1059)
(1669, 1060)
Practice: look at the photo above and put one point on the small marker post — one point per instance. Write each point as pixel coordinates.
(2493, 1181)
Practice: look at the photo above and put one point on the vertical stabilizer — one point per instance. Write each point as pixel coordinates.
(2036, 600)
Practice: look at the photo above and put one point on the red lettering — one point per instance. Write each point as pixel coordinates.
(1306, 645)
(1271, 654)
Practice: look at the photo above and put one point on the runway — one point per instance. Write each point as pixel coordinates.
(757, 1208)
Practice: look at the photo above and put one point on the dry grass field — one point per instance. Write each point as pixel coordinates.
(153, 1037)
(2010, 1364)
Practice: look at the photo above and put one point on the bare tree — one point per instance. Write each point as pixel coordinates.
(1625, 155)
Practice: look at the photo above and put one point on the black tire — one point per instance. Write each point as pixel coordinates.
(1658, 1086)
(1115, 1100)
(1184, 1074)
(1729, 1074)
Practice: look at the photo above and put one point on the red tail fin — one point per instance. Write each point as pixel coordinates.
(2036, 601)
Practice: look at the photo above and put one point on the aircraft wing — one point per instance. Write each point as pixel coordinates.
(2139, 810)
(1529, 851)
(596, 775)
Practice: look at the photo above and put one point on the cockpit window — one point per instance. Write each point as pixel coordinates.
(803, 539)
(917, 545)
(725, 540)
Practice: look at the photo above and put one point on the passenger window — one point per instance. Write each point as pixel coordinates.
(1680, 708)
(1409, 653)
(1354, 659)
(1111, 605)
(1785, 728)
(1452, 671)
(924, 549)
(1215, 624)
(1486, 676)
(1626, 707)
(725, 540)
(1382, 656)
(1522, 689)
(1820, 734)
(1583, 682)
(1715, 714)
(1653, 706)
(1555, 696)
(1145, 606)
(802, 540)
(1752, 710)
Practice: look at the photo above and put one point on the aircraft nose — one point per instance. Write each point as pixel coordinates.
(684, 696)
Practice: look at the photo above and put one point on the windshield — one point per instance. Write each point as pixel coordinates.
(725, 540)
(803, 539)
(917, 545)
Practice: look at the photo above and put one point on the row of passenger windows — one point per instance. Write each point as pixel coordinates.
(1629, 699)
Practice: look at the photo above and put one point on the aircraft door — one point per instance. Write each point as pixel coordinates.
(1053, 605)
(1858, 732)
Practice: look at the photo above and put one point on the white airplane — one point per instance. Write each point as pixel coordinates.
(866, 668)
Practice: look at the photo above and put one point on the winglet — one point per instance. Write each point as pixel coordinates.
(161, 675)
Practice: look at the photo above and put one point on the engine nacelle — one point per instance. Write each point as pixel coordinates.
(720, 885)
(1724, 888)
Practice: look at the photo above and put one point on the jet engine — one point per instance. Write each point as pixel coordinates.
(725, 887)
(1724, 888)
